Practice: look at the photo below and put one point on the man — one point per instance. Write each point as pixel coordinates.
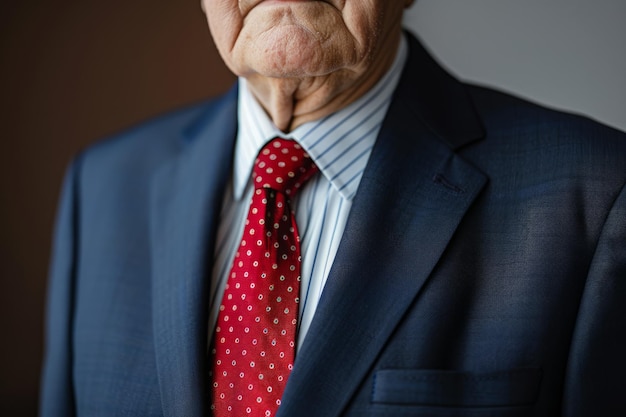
(459, 252)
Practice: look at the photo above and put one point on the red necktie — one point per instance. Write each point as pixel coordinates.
(255, 336)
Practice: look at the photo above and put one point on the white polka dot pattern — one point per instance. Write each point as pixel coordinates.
(254, 341)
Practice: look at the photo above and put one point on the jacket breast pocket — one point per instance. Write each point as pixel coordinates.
(442, 388)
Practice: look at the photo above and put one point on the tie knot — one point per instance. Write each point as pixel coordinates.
(282, 165)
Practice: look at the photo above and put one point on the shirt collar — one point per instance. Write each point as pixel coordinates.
(339, 144)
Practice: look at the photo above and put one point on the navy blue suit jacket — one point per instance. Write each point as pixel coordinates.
(482, 271)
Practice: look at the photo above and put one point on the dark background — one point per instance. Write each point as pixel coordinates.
(72, 72)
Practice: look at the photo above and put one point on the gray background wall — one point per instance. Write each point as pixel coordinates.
(74, 71)
(569, 54)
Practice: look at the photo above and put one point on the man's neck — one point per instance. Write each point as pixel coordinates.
(291, 102)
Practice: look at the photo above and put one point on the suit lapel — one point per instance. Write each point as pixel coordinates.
(413, 195)
(186, 200)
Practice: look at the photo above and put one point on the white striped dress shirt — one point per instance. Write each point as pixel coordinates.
(340, 144)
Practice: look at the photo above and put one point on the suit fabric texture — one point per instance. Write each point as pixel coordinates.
(482, 271)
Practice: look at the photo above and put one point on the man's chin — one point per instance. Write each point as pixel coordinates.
(289, 51)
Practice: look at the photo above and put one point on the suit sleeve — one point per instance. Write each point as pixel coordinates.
(596, 376)
(56, 397)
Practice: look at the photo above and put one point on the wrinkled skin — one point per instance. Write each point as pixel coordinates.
(305, 59)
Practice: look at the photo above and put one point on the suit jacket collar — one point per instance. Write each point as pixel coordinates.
(414, 193)
(438, 99)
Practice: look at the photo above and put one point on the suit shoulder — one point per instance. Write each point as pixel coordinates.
(155, 138)
(527, 144)
(502, 111)
(517, 125)
(143, 147)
